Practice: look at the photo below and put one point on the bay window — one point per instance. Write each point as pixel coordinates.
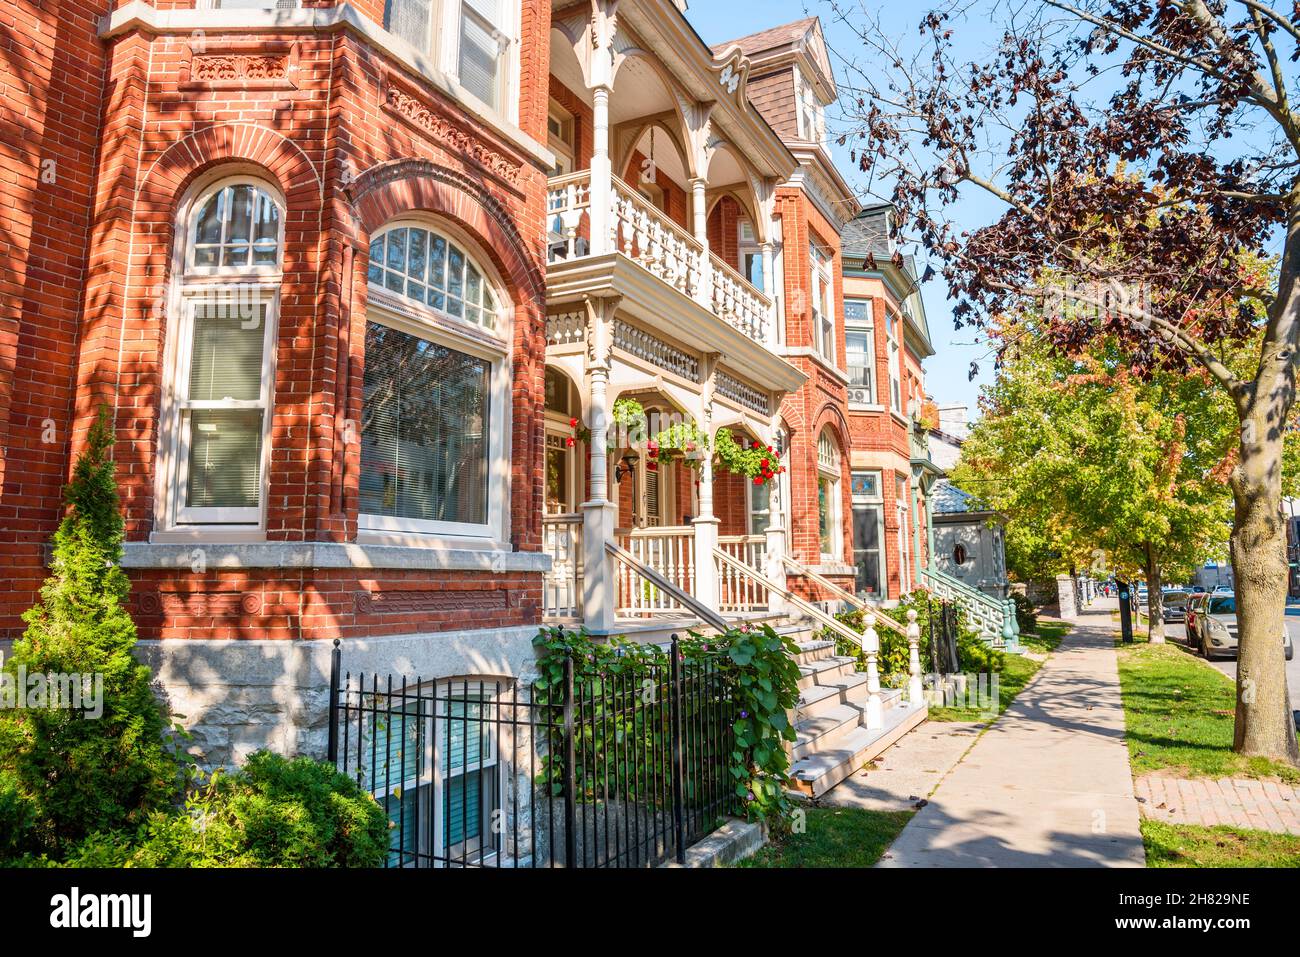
(433, 407)
(221, 367)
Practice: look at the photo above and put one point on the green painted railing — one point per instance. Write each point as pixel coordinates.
(995, 617)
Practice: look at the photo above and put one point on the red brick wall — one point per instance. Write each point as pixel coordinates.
(345, 162)
(822, 401)
(51, 94)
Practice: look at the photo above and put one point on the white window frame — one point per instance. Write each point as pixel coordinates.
(561, 141)
(443, 46)
(430, 774)
(747, 245)
(904, 508)
(867, 327)
(399, 312)
(829, 470)
(892, 322)
(874, 500)
(197, 285)
(822, 289)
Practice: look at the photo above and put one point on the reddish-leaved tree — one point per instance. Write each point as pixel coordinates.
(1144, 148)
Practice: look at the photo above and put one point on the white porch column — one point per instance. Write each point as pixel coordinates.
(706, 522)
(602, 188)
(768, 251)
(700, 229)
(774, 553)
(599, 513)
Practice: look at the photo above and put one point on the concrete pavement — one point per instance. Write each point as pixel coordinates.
(1048, 785)
(909, 770)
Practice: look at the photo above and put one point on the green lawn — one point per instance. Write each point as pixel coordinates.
(1047, 636)
(1185, 845)
(835, 837)
(1179, 712)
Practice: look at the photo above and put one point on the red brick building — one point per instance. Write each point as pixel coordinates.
(420, 325)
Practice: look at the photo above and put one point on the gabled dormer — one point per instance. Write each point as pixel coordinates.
(791, 82)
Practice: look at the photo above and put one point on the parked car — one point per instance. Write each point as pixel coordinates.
(1195, 602)
(1216, 627)
(1175, 605)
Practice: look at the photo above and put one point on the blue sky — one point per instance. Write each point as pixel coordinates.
(718, 20)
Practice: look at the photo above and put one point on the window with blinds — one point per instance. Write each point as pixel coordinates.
(221, 383)
(412, 20)
(424, 432)
(483, 47)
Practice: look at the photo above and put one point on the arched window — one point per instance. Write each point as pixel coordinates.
(434, 410)
(222, 356)
(424, 265)
(236, 227)
(828, 495)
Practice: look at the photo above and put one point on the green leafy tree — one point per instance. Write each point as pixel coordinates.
(80, 773)
(1099, 469)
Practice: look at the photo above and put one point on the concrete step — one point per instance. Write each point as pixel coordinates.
(823, 670)
(819, 772)
(814, 649)
(820, 698)
(826, 730)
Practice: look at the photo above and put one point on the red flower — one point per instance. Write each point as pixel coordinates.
(763, 465)
(769, 448)
(570, 441)
(758, 480)
(573, 423)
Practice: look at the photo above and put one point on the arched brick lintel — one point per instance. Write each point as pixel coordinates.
(284, 161)
(399, 188)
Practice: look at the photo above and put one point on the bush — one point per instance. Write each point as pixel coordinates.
(16, 816)
(77, 773)
(1026, 617)
(273, 812)
(973, 653)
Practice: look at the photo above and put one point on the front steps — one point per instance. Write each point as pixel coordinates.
(830, 721)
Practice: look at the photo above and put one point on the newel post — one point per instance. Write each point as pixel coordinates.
(871, 648)
(915, 692)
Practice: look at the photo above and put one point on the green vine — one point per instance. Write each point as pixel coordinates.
(756, 669)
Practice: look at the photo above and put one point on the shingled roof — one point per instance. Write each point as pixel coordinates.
(767, 39)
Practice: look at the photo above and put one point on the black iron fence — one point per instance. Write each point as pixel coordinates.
(623, 769)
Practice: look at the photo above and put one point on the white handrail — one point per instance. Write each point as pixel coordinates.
(689, 602)
(807, 607)
(848, 596)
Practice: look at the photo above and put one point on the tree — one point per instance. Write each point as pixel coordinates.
(1109, 471)
(1140, 146)
(83, 773)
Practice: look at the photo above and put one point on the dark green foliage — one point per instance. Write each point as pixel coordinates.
(273, 812)
(973, 653)
(87, 774)
(16, 816)
(1026, 617)
(756, 669)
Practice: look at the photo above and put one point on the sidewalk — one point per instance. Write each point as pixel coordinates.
(1048, 785)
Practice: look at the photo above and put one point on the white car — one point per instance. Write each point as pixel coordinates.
(1216, 627)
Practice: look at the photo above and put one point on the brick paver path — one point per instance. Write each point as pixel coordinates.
(1240, 802)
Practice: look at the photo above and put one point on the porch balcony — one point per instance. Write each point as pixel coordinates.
(646, 237)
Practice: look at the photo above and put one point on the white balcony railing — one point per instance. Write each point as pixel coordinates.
(670, 551)
(562, 585)
(737, 592)
(644, 234)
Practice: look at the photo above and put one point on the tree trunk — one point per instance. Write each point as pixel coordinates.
(1264, 722)
(1155, 598)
